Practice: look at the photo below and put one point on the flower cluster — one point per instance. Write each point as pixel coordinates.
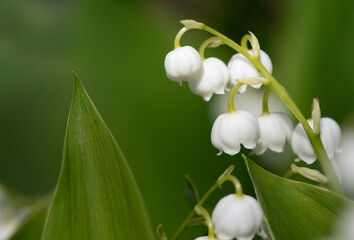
(211, 75)
(271, 130)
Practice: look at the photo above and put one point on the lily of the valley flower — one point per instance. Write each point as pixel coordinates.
(213, 78)
(237, 217)
(182, 64)
(330, 135)
(275, 130)
(241, 68)
(230, 130)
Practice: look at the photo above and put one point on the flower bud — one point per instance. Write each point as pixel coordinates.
(330, 136)
(275, 130)
(241, 68)
(237, 217)
(213, 78)
(183, 64)
(230, 130)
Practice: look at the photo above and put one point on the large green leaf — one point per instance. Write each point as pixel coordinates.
(96, 196)
(295, 210)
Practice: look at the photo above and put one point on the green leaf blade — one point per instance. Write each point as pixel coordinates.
(296, 210)
(96, 196)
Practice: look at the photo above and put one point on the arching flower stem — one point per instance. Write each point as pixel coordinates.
(245, 40)
(235, 182)
(231, 101)
(209, 223)
(205, 44)
(179, 36)
(265, 101)
(277, 88)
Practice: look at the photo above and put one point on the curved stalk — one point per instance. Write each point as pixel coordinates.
(231, 101)
(205, 44)
(179, 36)
(265, 101)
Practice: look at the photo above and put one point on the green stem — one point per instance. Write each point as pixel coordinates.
(225, 177)
(235, 182)
(231, 102)
(265, 101)
(278, 89)
(229, 42)
(244, 41)
(288, 174)
(333, 181)
(204, 213)
(179, 36)
(192, 213)
(205, 44)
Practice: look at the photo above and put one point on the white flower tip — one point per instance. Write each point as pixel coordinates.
(207, 97)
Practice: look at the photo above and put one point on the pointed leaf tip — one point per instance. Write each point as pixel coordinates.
(96, 196)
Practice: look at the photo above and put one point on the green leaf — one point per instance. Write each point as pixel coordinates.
(96, 196)
(295, 210)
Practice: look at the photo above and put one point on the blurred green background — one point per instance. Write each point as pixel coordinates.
(118, 49)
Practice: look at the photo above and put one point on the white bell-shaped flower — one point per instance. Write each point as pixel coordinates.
(330, 135)
(275, 130)
(237, 217)
(241, 68)
(230, 130)
(213, 78)
(182, 64)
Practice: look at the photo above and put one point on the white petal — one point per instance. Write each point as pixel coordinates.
(301, 144)
(330, 135)
(275, 129)
(210, 80)
(215, 133)
(237, 217)
(241, 68)
(182, 64)
(249, 130)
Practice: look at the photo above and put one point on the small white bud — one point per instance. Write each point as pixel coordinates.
(236, 217)
(213, 78)
(275, 130)
(230, 130)
(330, 135)
(183, 64)
(241, 68)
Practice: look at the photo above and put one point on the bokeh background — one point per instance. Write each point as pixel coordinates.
(118, 49)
